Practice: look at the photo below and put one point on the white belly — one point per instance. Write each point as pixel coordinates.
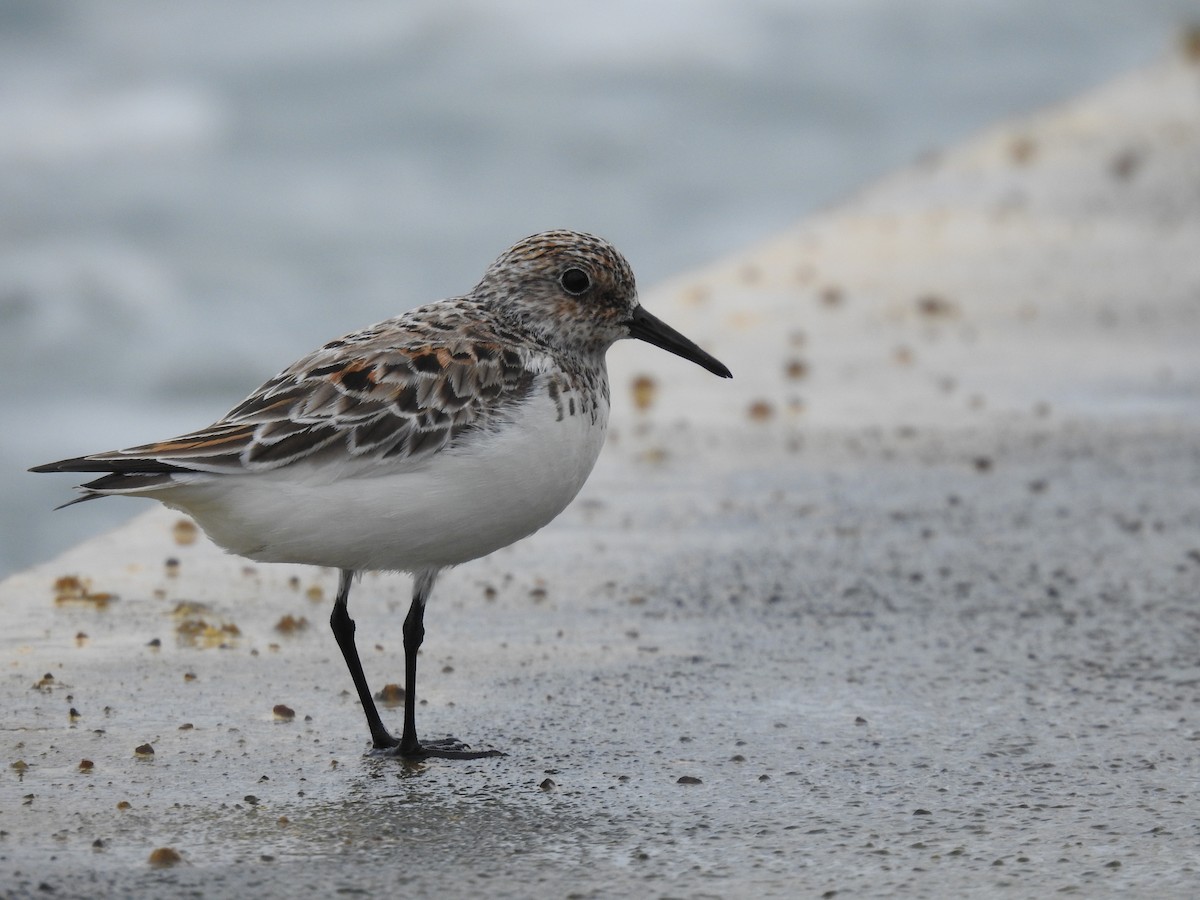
(458, 505)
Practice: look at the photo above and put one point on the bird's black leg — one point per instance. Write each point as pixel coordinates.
(414, 634)
(343, 633)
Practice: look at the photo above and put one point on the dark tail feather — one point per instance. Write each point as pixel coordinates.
(84, 499)
(130, 466)
(121, 476)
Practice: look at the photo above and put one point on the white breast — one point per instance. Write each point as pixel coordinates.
(459, 505)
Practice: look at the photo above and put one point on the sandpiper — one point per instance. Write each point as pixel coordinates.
(430, 439)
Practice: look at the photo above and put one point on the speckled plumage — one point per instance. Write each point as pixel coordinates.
(412, 385)
(424, 441)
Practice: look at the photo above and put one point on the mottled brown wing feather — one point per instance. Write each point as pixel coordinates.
(404, 389)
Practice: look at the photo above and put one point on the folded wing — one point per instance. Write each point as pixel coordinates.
(389, 396)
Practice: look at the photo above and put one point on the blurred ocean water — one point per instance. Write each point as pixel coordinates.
(191, 195)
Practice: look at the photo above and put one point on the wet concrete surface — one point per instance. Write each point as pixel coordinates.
(890, 672)
(908, 608)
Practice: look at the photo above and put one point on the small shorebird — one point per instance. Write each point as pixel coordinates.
(425, 441)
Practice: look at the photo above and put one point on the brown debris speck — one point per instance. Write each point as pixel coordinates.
(760, 411)
(1125, 164)
(73, 589)
(289, 624)
(654, 455)
(644, 389)
(935, 306)
(194, 630)
(191, 629)
(390, 695)
(184, 532)
(144, 750)
(283, 712)
(796, 368)
(831, 296)
(164, 858)
(86, 765)
(1022, 150)
(1189, 43)
(68, 584)
(186, 608)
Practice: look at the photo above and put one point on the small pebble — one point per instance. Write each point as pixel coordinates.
(644, 389)
(289, 624)
(760, 411)
(164, 857)
(184, 532)
(390, 695)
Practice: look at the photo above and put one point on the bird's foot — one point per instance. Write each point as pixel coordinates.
(446, 748)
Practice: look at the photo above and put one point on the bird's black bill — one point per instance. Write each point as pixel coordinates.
(652, 330)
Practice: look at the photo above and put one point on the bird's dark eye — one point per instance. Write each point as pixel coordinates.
(575, 281)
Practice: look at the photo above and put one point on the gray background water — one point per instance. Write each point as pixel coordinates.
(192, 195)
